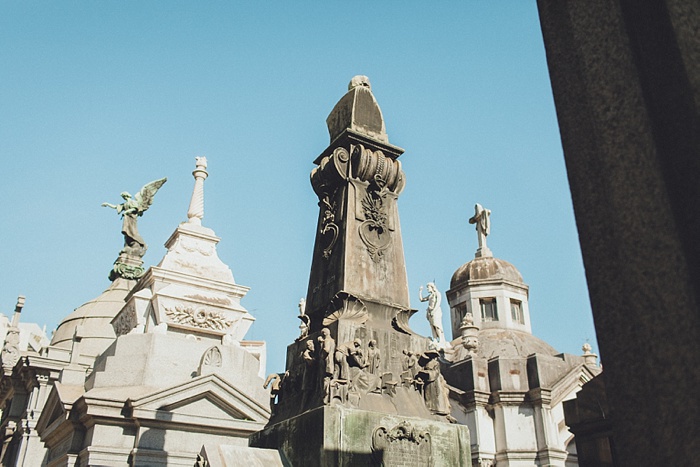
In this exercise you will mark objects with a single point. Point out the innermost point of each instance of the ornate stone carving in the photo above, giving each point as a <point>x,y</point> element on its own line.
<point>125,321</point>
<point>329,229</point>
<point>10,350</point>
<point>212,357</point>
<point>402,445</point>
<point>371,166</point>
<point>373,231</point>
<point>127,271</point>
<point>400,321</point>
<point>198,318</point>
<point>346,307</point>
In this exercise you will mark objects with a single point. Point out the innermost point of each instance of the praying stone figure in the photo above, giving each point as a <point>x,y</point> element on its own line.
<point>482,219</point>
<point>131,209</point>
<point>434,312</point>
<point>434,386</point>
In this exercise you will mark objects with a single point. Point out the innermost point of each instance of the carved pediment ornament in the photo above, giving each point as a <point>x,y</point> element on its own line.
<point>198,317</point>
<point>345,306</point>
<point>126,320</point>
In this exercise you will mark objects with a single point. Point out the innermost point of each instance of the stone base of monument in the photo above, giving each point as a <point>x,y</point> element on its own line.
<point>339,436</point>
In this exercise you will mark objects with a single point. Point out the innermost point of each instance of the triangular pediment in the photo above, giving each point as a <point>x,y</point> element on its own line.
<point>570,382</point>
<point>57,408</point>
<point>202,400</point>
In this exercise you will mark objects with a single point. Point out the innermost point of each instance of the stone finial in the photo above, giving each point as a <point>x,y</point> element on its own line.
<point>482,219</point>
<point>469,332</point>
<point>357,111</point>
<point>195,213</point>
<point>18,310</point>
<point>359,80</point>
<point>589,357</point>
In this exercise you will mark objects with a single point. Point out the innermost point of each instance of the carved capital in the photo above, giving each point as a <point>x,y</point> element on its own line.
<point>376,168</point>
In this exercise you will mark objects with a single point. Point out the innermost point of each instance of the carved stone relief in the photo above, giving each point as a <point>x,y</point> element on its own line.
<point>198,317</point>
<point>345,306</point>
<point>402,445</point>
<point>329,229</point>
<point>211,359</point>
<point>126,320</point>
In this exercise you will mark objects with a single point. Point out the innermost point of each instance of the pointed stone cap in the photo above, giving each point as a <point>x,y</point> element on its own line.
<point>357,110</point>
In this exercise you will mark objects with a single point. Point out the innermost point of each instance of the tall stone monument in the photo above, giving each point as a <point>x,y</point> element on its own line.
<point>361,388</point>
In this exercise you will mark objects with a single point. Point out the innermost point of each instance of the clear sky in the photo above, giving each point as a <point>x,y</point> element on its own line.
<point>101,97</point>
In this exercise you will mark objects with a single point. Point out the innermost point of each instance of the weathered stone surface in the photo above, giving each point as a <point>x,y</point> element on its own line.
<point>336,436</point>
<point>626,82</point>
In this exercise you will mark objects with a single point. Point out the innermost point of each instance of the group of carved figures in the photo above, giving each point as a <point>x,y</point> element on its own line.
<point>346,372</point>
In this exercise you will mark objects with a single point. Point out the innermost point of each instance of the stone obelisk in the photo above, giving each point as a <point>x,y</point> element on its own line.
<point>361,388</point>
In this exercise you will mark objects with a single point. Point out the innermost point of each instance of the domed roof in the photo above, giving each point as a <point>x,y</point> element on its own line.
<point>506,343</point>
<point>485,268</point>
<point>94,319</point>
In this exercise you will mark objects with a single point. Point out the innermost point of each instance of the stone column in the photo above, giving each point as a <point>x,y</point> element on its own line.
<point>626,83</point>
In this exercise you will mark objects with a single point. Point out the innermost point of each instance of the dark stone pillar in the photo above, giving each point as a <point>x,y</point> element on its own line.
<point>626,81</point>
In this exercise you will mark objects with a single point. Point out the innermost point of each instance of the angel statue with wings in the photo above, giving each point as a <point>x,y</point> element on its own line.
<point>131,209</point>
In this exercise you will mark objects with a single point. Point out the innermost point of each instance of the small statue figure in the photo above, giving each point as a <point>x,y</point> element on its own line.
<point>349,350</point>
<point>304,327</point>
<point>308,356</point>
<point>302,307</point>
<point>434,386</point>
<point>373,357</point>
<point>326,357</point>
<point>276,379</point>
<point>131,209</point>
<point>482,219</point>
<point>434,312</point>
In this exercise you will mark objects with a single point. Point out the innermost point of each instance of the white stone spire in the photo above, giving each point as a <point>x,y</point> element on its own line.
<point>196,211</point>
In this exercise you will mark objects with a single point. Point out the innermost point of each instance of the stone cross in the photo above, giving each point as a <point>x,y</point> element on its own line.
<point>482,219</point>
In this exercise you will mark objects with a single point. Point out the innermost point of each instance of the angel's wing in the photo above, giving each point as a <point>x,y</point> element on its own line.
<point>145,197</point>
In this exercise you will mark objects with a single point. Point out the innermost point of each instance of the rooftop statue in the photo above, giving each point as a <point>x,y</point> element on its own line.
<point>434,312</point>
<point>131,209</point>
<point>482,219</point>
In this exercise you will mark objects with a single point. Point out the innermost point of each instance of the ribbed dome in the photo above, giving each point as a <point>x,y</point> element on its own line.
<point>506,343</point>
<point>94,318</point>
<point>484,269</point>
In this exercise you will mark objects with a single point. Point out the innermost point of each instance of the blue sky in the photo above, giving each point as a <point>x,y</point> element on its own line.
<point>101,97</point>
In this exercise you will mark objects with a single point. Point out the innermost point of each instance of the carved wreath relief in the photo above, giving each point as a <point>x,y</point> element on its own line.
<point>198,318</point>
